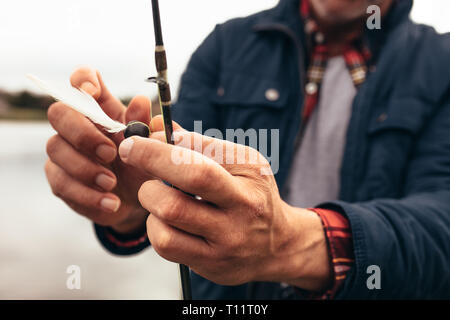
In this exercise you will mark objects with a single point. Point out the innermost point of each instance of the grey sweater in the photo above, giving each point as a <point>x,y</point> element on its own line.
<point>315,173</point>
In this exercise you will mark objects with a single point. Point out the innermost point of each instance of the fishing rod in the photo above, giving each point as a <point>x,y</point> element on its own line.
<point>165,99</point>
<point>165,102</point>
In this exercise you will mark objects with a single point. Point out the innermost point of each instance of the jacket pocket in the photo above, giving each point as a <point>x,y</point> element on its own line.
<point>391,138</point>
<point>399,115</point>
<point>249,91</point>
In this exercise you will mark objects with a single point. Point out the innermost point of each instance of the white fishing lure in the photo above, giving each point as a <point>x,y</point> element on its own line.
<point>80,101</point>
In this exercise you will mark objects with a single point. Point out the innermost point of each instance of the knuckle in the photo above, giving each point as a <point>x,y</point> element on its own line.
<point>250,154</point>
<point>232,244</point>
<point>55,180</point>
<point>84,172</point>
<point>79,138</point>
<point>55,111</point>
<point>58,187</point>
<point>90,200</point>
<point>265,169</point>
<point>256,206</point>
<point>172,210</point>
<point>235,240</point>
<point>262,160</point>
<point>52,145</point>
<point>144,190</point>
<point>244,200</point>
<point>149,226</point>
<point>164,242</point>
<point>257,161</point>
<point>81,74</point>
<point>202,176</point>
<point>47,169</point>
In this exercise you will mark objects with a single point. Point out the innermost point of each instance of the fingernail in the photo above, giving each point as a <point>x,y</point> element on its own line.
<point>105,182</point>
<point>110,204</point>
<point>89,88</point>
<point>125,148</point>
<point>106,152</point>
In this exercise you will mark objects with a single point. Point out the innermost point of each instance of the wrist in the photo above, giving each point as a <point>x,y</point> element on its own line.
<point>304,261</point>
<point>134,224</point>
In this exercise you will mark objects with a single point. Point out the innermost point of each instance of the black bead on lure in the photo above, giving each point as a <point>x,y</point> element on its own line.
<point>136,128</point>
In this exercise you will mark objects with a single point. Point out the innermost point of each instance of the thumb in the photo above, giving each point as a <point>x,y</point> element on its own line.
<point>157,124</point>
<point>90,81</point>
<point>139,109</point>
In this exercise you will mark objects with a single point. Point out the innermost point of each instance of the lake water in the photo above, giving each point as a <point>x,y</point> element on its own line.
<point>40,236</point>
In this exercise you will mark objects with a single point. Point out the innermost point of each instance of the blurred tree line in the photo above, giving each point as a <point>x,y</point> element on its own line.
<point>25,105</point>
<point>27,100</point>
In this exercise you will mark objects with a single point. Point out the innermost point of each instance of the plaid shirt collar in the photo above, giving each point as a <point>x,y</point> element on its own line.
<point>356,56</point>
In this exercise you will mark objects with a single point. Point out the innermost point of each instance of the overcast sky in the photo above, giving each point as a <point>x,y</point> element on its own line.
<point>49,38</point>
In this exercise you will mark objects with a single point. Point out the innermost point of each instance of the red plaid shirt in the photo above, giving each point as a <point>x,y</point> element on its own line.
<point>340,249</point>
<point>355,54</point>
<point>336,226</point>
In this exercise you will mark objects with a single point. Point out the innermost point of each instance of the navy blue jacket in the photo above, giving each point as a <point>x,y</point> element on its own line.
<point>395,187</point>
<point>395,178</point>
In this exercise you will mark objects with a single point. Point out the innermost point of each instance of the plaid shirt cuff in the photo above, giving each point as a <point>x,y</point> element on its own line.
<point>340,248</point>
<point>121,244</point>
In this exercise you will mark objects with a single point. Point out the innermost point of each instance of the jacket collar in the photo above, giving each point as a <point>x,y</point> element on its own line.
<point>286,16</point>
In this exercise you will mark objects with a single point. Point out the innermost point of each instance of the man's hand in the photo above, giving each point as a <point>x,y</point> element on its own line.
<point>237,229</point>
<point>83,168</point>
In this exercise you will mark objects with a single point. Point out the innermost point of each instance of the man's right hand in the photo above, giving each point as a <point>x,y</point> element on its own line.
<point>83,168</point>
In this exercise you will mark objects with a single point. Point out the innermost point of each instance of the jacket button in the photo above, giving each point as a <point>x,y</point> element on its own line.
<point>220,91</point>
<point>311,88</point>
<point>382,117</point>
<point>319,37</point>
<point>272,94</point>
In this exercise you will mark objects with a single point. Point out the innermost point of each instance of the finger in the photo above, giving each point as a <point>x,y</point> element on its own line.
<point>81,133</point>
<point>179,210</point>
<point>232,156</point>
<point>78,166</point>
<point>69,189</point>
<point>85,78</point>
<point>139,109</point>
<point>157,124</point>
<point>103,219</point>
<point>176,245</point>
<point>194,174</point>
<point>91,81</point>
<point>100,218</point>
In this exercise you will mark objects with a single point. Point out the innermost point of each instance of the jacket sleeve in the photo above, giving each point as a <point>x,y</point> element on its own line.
<point>407,238</point>
<point>198,84</point>
<point>120,244</point>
